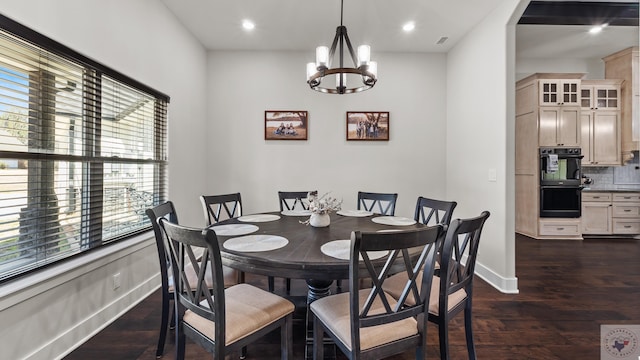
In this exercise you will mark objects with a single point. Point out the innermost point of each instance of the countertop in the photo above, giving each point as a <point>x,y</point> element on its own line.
<point>612,188</point>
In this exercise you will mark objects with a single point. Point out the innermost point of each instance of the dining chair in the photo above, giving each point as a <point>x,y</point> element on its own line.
<point>379,203</point>
<point>432,211</point>
<point>165,210</point>
<point>290,200</point>
<point>221,207</point>
<point>222,321</point>
<point>368,323</point>
<point>452,290</point>
<point>293,200</point>
<point>168,211</point>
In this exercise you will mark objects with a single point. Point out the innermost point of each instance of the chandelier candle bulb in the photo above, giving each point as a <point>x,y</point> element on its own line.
<point>364,55</point>
<point>311,69</point>
<point>322,57</point>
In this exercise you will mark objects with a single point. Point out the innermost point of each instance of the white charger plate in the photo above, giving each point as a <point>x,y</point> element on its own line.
<point>393,220</point>
<point>255,243</point>
<point>296,212</point>
<point>354,213</point>
<point>234,229</point>
<point>341,249</point>
<point>259,218</point>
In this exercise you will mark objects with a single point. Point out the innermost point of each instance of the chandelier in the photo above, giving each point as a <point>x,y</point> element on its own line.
<point>362,76</point>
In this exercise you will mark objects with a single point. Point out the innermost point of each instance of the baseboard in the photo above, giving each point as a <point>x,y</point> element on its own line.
<point>502,284</point>
<point>84,330</point>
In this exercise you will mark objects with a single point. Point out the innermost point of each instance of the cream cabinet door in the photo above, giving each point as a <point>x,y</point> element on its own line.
<point>559,126</point>
<point>605,140</point>
<point>596,218</point>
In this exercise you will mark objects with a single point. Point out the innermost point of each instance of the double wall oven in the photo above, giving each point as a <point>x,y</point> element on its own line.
<point>560,182</point>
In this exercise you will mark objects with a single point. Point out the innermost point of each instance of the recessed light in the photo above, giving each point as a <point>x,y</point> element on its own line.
<point>248,25</point>
<point>598,28</point>
<point>408,27</point>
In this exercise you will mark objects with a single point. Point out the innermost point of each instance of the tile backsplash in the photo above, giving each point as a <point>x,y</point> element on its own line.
<point>615,175</point>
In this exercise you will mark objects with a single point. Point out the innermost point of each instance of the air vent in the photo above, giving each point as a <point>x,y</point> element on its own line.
<point>442,40</point>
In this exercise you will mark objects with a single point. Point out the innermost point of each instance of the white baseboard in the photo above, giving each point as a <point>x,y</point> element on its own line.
<point>504,285</point>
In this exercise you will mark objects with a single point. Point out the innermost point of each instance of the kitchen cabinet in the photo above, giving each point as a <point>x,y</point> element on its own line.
<point>600,122</point>
<point>596,213</point>
<point>624,65</point>
<point>559,126</point>
<point>559,92</point>
<point>606,213</point>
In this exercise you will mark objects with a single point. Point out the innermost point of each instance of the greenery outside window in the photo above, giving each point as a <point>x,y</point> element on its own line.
<point>82,152</point>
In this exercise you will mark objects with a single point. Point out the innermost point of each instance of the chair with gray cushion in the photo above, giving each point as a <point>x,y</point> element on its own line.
<point>223,321</point>
<point>368,323</point>
<point>452,291</point>
<point>378,203</point>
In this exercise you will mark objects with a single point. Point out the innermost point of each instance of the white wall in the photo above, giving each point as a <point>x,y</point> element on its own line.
<point>244,84</point>
<point>142,39</point>
<point>480,87</point>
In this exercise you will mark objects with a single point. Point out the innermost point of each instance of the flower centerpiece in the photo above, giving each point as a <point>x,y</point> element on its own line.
<point>320,208</point>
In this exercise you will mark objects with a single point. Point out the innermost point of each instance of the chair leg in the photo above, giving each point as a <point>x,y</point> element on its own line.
<point>318,339</point>
<point>286,338</point>
<point>338,286</point>
<point>271,283</point>
<point>288,285</point>
<point>243,353</point>
<point>443,334</point>
<point>164,323</point>
<point>468,332</point>
<point>180,343</point>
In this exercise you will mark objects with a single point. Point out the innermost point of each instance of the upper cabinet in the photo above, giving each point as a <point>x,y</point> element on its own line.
<point>624,65</point>
<point>600,94</point>
<point>559,92</point>
<point>600,122</point>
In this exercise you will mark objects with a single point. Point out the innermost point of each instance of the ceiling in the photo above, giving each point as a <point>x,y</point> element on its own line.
<point>304,24</point>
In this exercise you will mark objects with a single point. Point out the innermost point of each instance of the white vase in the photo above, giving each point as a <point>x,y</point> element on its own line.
<point>319,220</point>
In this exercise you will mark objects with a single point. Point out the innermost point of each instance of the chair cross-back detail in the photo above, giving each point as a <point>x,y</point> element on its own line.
<point>379,203</point>
<point>165,210</point>
<point>221,320</point>
<point>221,207</point>
<point>368,323</point>
<point>289,200</point>
<point>432,211</point>
<point>293,200</point>
<point>455,284</point>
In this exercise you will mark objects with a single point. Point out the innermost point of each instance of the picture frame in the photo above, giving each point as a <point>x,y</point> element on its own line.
<point>286,124</point>
<point>367,126</point>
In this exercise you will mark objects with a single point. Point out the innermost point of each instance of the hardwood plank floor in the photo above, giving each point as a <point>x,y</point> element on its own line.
<point>567,290</point>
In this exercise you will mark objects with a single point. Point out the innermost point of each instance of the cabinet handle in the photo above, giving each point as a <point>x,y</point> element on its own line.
<point>627,226</point>
<point>627,210</point>
<point>596,197</point>
<point>560,229</point>
<point>627,197</point>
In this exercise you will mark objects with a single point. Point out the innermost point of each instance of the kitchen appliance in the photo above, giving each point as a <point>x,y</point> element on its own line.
<point>560,182</point>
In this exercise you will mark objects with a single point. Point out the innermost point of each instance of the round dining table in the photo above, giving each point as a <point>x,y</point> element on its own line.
<point>302,256</point>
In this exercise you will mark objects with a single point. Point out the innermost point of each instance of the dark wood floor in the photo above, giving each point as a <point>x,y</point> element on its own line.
<point>567,290</point>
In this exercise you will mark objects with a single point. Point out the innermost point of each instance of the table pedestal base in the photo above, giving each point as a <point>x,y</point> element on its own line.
<point>317,289</point>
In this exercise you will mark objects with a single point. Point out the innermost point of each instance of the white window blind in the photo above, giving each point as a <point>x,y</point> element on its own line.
<point>82,153</point>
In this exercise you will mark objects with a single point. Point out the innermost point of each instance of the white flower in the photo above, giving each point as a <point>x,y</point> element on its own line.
<point>324,204</point>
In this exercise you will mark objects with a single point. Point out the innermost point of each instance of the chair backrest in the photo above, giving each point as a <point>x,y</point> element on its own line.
<point>213,206</point>
<point>168,211</point>
<point>406,251</point>
<point>431,211</point>
<point>379,203</point>
<point>290,200</point>
<point>185,245</point>
<point>463,237</point>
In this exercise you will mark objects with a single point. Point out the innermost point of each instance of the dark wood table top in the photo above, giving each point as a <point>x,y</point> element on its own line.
<point>301,258</point>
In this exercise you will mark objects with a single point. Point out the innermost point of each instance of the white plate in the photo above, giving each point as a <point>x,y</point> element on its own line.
<point>354,213</point>
<point>393,220</point>
<point>341,249</point>
<point>259,218</point>
<point>255,243</point>
<point>296,212</point>
<point>234,229</point>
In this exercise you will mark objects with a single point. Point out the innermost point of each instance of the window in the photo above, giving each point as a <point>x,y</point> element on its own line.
<point>82,152</point>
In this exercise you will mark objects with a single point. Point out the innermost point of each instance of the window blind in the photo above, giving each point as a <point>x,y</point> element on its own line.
<point>82,153</point>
